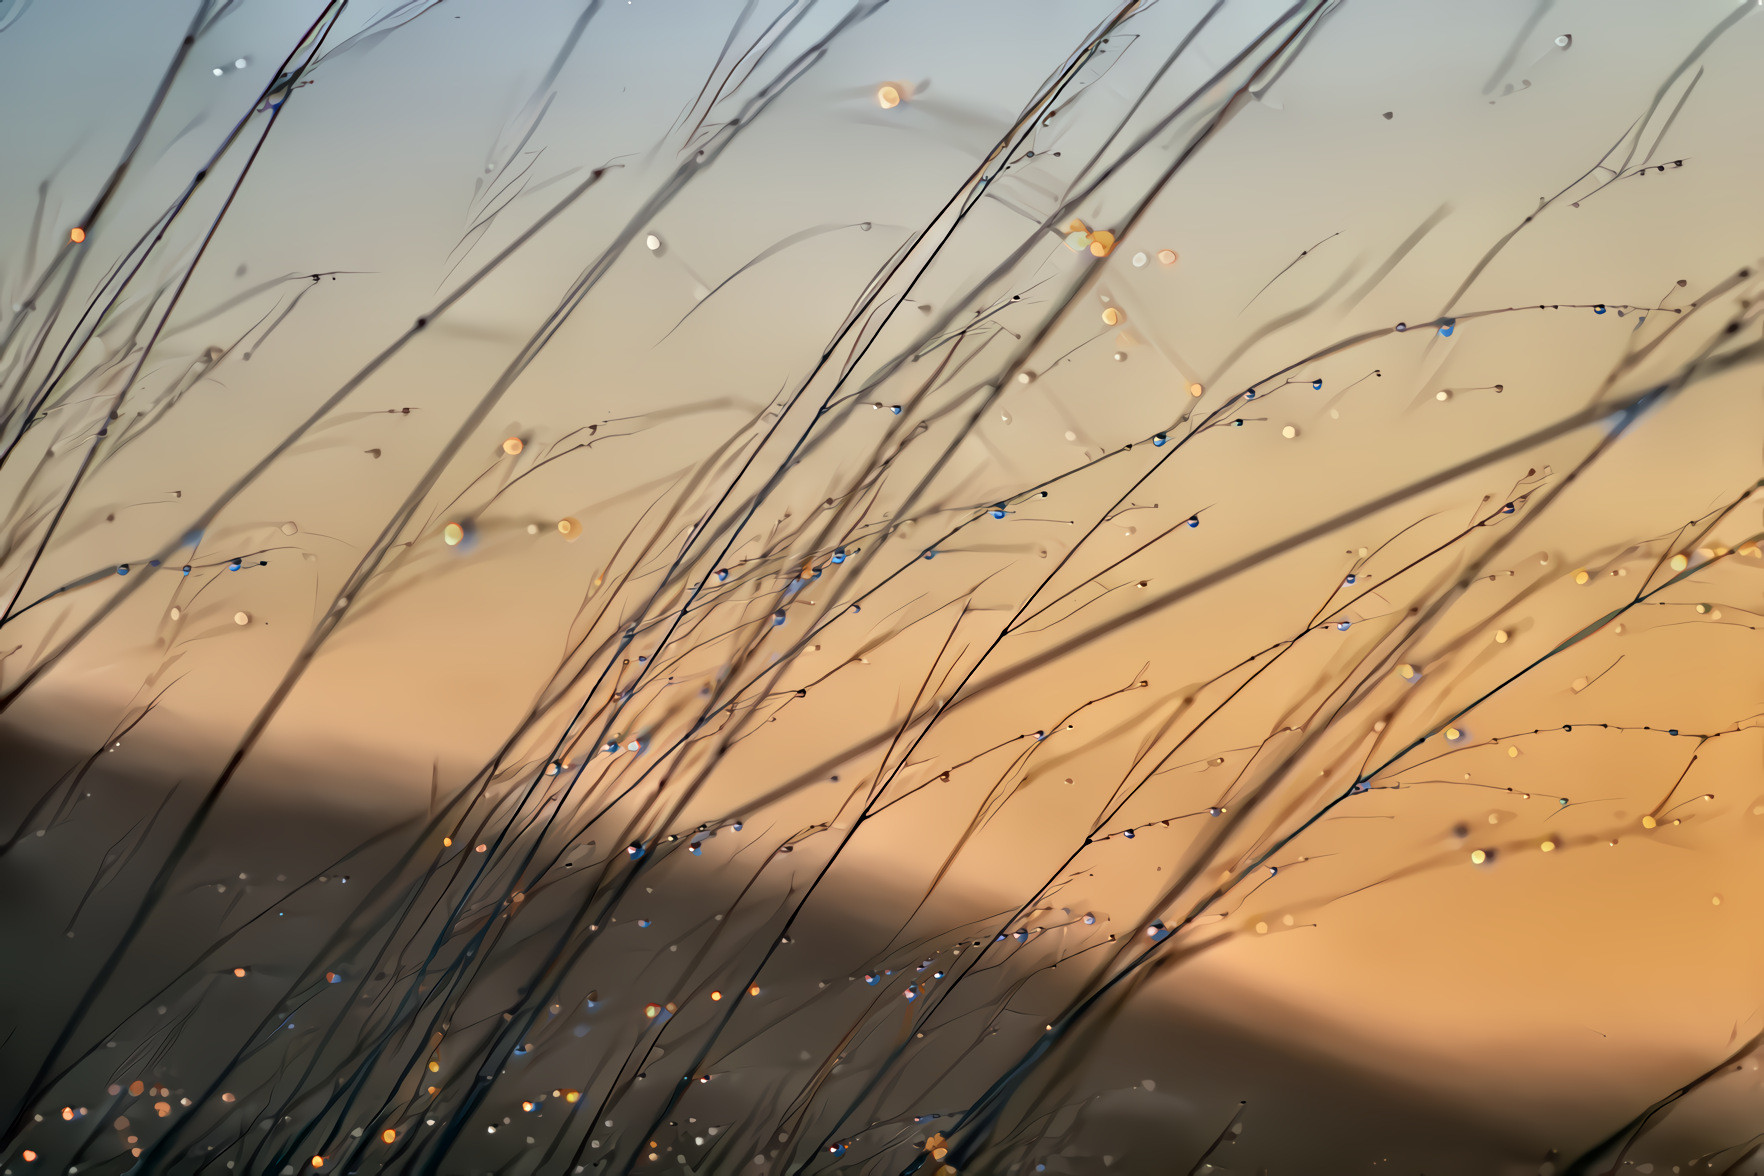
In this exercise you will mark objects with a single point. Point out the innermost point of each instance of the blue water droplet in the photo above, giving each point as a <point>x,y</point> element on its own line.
<point>122,569</point>
<point>778,618</point>
<point>839,556</point>
<point>1599,309</point>
<point>1317,384</point>
<point>1160,439</point>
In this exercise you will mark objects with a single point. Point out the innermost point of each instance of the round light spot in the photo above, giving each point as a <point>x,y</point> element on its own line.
<point>241,618</point>
<point>1111,315</point>
<point>887,96</point>
<point>513,446</point>
<point>1138,260</point>
<point>569,528</point>
<point>452,534</point>
<point>76,235</point>
<point>1166,257</point>
<point>1289,432</point>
